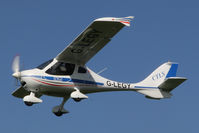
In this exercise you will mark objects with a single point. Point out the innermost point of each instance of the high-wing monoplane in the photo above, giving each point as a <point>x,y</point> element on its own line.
<point>67,76</point>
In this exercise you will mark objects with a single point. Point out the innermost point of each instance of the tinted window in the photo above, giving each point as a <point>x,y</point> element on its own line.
<point>61,68</point>
<point>42,66</point>
<point>82,70</point>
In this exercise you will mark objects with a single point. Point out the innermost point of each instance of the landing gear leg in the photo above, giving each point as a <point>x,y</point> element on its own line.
<point>31,99</point>
<point>59,110</point>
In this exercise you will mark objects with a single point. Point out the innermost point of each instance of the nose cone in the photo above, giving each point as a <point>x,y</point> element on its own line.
<point>16,74</point>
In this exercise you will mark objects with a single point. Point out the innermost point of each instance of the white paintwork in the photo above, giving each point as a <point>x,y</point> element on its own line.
<point>154,93</point>
<point>163,70</point>
<point>37,82</point>
<point>125,20</point>
<point>78,95</point>
<point>32,98</point>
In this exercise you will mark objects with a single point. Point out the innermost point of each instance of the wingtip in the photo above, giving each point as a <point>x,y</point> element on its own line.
<point>130,17</point>
<point>126,20</point>
<point>170,62</point>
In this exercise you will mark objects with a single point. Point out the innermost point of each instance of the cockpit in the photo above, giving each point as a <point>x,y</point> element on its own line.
<point>62,68</point>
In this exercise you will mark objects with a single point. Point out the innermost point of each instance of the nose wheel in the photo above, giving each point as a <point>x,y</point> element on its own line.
<point>59,113</point>
<point>77,99</point>
<point>59,110</point>
<point>28,103</point>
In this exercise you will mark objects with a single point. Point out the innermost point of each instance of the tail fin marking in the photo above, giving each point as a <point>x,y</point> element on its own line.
<point>158,76</point>
<point>160,82</point>
<point>173,70</point>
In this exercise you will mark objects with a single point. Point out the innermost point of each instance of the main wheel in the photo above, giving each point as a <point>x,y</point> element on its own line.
<point>28,103</point>
<point>77,99</point>
<point>59,113</point>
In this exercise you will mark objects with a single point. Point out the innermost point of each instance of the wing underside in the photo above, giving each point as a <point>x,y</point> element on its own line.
<point>92,40</point>
<point>20,92</point>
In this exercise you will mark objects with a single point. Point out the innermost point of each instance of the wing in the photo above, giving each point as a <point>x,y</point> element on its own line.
<point>21,93</point>
<point>91,40</point>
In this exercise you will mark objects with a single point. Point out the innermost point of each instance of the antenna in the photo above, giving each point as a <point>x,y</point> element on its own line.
<point>102,70</point>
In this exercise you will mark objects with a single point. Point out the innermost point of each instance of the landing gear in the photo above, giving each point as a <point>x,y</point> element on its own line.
<point>59,113</point>
<point>59,110</point>
<point>77,96</point>
<point>77,99</point>
<point>28,103</point>
<point>31,99</point>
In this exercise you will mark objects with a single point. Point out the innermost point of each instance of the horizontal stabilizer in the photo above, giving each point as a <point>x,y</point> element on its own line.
<point>154,93</point>
<point>170,83</point>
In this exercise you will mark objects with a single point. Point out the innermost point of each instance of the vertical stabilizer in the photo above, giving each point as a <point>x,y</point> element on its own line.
<point>158,76</point>
<point>160,82</point>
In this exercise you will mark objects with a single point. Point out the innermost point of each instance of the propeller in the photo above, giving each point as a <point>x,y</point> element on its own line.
<point>16,67</point>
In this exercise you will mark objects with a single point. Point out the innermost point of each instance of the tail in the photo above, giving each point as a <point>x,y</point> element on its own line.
<point>160,82</point>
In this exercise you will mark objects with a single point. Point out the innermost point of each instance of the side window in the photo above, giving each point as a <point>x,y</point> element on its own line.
<point>82,70</point>
<point>61,68</point>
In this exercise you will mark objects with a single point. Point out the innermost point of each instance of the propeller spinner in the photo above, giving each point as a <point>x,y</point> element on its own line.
<point>16,67</point>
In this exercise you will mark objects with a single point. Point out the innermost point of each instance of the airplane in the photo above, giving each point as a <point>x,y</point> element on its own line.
<point>67,76</point>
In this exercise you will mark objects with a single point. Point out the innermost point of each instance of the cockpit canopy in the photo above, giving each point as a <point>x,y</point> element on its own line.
<point>43,65</point>
<point>61,68</point>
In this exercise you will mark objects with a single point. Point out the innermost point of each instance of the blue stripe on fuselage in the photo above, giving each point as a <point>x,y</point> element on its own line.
<point>145,87</point>
<point>66,80</point>
<point>85,82</point>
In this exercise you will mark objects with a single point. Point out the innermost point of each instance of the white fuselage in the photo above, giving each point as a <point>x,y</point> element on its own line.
<point>37,80</point>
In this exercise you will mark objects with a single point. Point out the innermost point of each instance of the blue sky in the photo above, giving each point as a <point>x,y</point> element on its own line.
<point>162,30</point>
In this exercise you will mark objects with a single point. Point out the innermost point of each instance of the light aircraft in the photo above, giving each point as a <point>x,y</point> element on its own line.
<point>67,76</point>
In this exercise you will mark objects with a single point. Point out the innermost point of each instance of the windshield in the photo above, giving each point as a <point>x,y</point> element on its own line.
<point>61,68</point>
<point>42,66</point>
